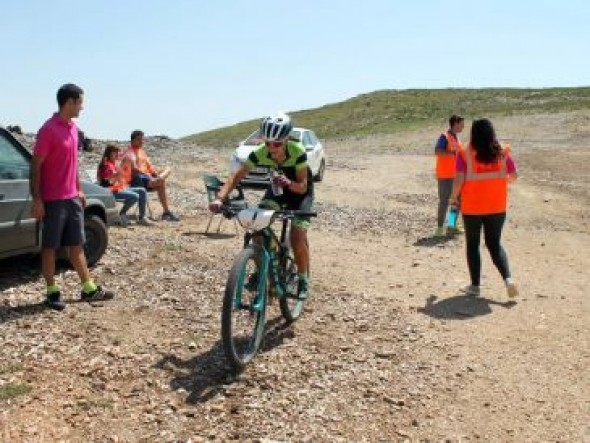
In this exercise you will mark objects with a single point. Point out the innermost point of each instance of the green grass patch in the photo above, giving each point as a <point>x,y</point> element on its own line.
<point>390,111</point>
<point>12,390</point>
<point>10,369</point>
<point>104,404</point>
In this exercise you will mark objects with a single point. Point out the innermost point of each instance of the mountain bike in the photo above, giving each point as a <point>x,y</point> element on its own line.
<point>264,269</point>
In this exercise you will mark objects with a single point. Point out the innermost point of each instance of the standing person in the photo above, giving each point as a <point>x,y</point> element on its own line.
<point>140,172</point>
<point>483,172</point>
<point>109,176</point>
<point>445,150</point>
<point>290,159</point>
<point>58,197</point>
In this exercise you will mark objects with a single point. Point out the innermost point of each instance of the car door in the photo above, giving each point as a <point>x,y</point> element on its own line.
<point>18,230</point>
<point>309,146</point>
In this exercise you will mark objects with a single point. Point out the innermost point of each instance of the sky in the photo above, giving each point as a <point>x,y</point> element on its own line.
<point>178,67</point>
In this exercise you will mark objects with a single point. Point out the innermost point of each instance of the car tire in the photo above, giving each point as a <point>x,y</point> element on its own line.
<point>320,175</point>
<point>97,238</point>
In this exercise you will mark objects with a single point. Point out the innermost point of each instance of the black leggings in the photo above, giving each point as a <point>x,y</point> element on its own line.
<point>492,228</point>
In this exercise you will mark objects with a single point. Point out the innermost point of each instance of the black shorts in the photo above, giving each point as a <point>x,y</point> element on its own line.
<point>63,224</point>
<point>303,203</point>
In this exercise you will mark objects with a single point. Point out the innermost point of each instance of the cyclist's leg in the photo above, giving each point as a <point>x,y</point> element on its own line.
<point>298,236</point>
<point>300,245</point>
<point>271,201</point>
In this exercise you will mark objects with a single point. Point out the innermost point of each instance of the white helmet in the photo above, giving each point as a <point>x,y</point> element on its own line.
<point>276,127</point>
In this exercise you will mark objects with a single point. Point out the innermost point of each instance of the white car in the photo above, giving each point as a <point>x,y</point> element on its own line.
<point>316,157</point>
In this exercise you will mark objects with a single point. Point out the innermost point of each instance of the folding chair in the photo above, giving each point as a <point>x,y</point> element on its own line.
<point>236,201</point>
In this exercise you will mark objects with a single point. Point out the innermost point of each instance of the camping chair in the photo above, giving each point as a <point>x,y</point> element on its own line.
<point>236,201</point>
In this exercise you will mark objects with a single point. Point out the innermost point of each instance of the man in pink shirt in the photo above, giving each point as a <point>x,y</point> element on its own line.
<point>58,198</point>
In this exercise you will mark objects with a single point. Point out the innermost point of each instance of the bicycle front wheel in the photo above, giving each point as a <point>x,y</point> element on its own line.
<point>244,308</point>
<point>291,306</point>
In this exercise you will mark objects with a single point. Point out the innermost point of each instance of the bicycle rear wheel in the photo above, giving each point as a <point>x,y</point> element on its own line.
<point>244,308</point>
<point>291,306</point>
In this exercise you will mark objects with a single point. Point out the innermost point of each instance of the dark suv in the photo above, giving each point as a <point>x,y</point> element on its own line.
<point>19,232</point>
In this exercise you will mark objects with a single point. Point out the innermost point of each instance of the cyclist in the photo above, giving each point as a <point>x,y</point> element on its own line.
<point>289,159</point>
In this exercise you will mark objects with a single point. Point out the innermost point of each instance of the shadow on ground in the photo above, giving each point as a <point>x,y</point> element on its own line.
<point>16,271</point>
<point>461,307</point>
<point>210,235</point>
<point>208,374</point>
<point>431,242</point>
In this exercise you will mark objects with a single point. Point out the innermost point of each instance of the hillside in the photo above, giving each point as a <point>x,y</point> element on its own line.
<point>388,111</point>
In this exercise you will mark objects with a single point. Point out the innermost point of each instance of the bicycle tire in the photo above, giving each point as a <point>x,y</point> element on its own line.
<point>291,306</point>
<point>240,349</point>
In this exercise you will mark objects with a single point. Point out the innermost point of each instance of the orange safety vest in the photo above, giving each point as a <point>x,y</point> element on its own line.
<point>140,159</point>
<point>485,190</point>
<point>126,171</point>
<point>446,164</point>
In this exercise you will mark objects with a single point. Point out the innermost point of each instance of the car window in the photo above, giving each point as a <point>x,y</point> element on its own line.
<point>313,137</point>
<point>14,165</point>
<point>307,141</point>
<point>295,136</point>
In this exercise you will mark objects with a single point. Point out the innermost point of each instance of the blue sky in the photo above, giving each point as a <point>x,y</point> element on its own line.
<point>178,67</point>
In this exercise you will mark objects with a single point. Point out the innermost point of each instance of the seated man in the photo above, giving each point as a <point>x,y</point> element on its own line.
<point>292,189</point>
<point>139,171</point>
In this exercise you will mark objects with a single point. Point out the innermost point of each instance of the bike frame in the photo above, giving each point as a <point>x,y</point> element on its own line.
<point>268,235</point>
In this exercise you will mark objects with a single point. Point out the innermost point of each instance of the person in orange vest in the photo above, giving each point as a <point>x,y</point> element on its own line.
<point>446,150</point>
<point>139,172</point>
<point>484,169</point>
<point>110,176</point>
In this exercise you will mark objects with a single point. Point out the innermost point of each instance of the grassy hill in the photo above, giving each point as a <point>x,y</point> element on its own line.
<point>394,110</point>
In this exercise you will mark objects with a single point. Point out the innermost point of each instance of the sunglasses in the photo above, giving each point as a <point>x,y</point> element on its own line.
<point>275,144</point>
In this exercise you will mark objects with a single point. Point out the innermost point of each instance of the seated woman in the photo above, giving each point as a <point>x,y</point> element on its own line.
<point>109,176</point>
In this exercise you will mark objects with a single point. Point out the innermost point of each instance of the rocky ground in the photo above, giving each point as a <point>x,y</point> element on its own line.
<point>388,349</point>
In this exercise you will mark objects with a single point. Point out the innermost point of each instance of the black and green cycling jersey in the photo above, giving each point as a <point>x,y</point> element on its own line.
<point>295,161</point>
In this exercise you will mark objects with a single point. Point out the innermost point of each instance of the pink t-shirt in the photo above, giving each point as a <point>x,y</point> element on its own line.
<point>57,141</point>
<point>510,165</point>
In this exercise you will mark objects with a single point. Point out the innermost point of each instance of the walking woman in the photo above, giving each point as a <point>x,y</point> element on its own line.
<point>481,185</point>
<point>110,176</point>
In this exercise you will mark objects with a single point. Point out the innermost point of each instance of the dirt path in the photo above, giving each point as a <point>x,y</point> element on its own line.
<point>388,348</point>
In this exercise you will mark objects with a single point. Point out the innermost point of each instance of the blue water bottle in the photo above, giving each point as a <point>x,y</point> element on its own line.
<point>452,217</point>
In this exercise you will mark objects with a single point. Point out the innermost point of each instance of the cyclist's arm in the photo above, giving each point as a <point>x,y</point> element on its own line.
<point>299,185</point>
<point>232,182</point>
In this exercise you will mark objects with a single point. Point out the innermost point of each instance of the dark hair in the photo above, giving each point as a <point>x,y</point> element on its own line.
<point>455,119</point>
<point>66,92</point>
<point>105,156</point>
<point>136,133</point>
<point>483,140</point>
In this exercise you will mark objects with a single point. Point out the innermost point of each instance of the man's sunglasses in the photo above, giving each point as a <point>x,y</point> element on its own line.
<point>275,144</point>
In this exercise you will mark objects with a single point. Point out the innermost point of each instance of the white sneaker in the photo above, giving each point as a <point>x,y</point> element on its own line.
<point>511,290</point>
<point>145,222</point>
<point>471,290</point>
<point>123,220</point>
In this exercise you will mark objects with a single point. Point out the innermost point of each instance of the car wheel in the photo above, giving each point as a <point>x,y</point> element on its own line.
<point>96,239</point>
<point>320,175</point>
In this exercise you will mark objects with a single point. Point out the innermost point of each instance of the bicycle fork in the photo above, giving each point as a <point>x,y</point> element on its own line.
<point>259,301</point>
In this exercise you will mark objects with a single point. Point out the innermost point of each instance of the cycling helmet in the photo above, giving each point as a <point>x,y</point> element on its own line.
<point>276,127</point>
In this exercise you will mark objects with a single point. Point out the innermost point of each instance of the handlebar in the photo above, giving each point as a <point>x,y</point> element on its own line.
<point>229,211</point>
